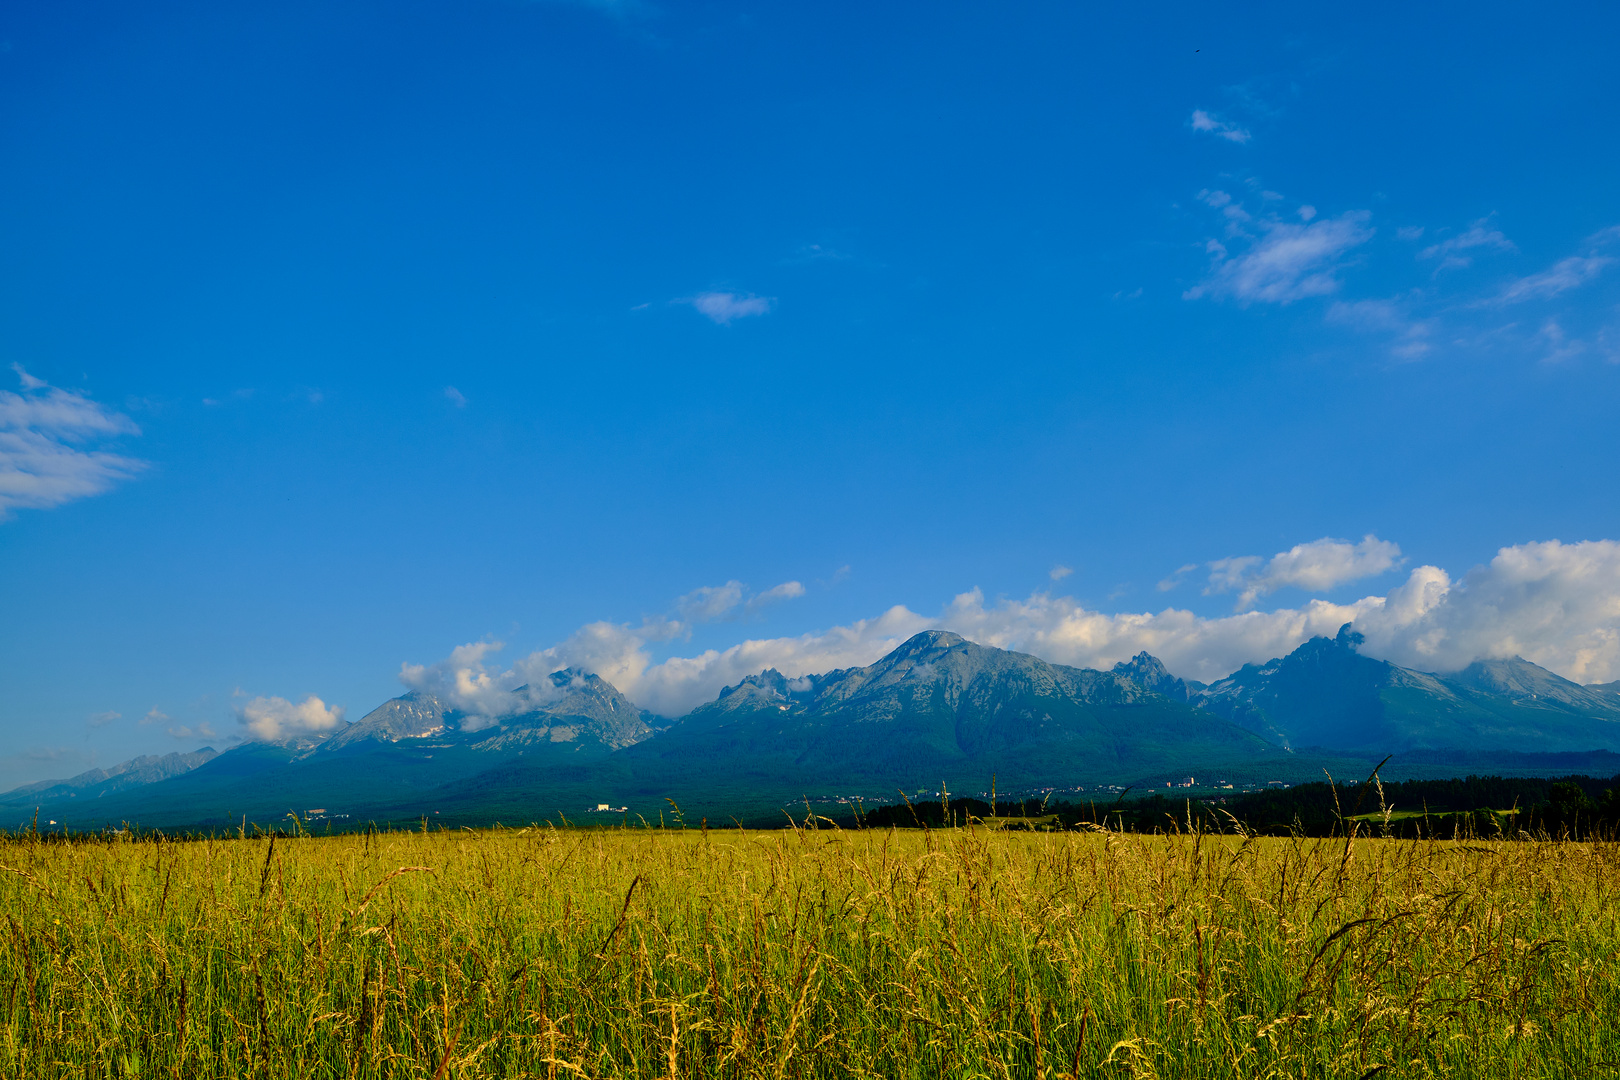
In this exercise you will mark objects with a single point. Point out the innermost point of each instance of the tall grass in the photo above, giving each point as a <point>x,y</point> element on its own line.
<point>671,953</point>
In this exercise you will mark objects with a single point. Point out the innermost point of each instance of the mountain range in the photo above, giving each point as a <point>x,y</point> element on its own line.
<point>937,711</point>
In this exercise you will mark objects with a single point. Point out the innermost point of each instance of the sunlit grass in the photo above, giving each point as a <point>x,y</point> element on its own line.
<point>800,953</point>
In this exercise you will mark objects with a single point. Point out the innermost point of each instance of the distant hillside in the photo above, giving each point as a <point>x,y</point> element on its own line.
<point>96,783</point>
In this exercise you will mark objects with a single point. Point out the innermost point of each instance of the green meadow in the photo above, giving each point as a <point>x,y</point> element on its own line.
<point>656,953</point>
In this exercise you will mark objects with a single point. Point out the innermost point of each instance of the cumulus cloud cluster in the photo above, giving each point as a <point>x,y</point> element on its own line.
<point>469,679</point>
<point>273,718</point>
<point>1553,603</point>
<point>1320,564</point>
<point>49,441</point>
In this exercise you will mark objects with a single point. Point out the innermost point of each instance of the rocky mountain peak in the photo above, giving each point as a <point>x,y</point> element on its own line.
<point>1148,672</point>
<point>1144,667</point>
<point>927,641</point>
<point>1523,682</point>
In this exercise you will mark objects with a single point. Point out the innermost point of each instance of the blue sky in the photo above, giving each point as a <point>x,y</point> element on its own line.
<point>347,334</point>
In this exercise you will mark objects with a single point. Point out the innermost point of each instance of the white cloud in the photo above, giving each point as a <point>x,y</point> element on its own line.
<point>788,590</point>
<point>1058,573</point>
<point>273,718</point>
<point>455,397</point>
<point>710,602</point>
<point>468,679</point>
<point>1559,345</point>
<point>1175,579</point>
<point>1555,604</point>
<point>1478,235</point>
<point>1223,129</point>
<point>1411,335</point>
<point>723,307</point>
<point>45,454</point>
<point>463,681</point>
<point>618,653</point>
<point>1061,630</point>
<point>204,730</point>
<point>154,716</point>
<point>1562,276</point>
<point>102,719</point>
<point>1288,262</point>
<point>677,685</point>
<point>1320,564</point>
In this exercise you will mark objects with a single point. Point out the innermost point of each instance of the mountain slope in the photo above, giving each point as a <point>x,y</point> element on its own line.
<point>580,708</point>
<point>942,706</point>
<point>98,783</point>
<point>1326,694</point>
<point>394,755</point>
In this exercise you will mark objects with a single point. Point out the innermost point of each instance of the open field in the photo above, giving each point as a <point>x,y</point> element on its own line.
<point>673,953</point>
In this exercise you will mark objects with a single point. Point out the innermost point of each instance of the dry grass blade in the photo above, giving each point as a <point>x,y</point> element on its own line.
<point>386,878</point>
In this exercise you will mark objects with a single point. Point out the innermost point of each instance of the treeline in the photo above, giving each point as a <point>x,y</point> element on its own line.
<point>1575,806</point>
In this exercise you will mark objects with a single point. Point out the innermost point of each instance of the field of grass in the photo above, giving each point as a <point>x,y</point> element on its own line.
<point>797,953</point>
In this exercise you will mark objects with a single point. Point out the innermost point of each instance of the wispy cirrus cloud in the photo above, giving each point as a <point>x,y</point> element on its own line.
<point>712,602</point>
<point>726,307</point>
<point>49,446</point>
<point>203,730</point>
<point>1173,581</point>
<point>1481,234</point>
<point>788,590</point>
<point>1221,129</point>
<point>1562,276</point>
<point>1412,336</point>
<point>1281,261</point>
<point>1567,273</point>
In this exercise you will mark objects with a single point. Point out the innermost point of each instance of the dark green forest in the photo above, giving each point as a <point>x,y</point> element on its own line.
<point>1479,806</point>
